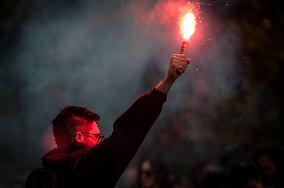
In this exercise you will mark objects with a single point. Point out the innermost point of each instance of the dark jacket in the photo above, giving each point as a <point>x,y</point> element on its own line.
<point>102,165</point>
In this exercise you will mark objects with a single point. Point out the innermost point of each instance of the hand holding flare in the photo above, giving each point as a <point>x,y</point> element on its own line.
<point>179,61</point>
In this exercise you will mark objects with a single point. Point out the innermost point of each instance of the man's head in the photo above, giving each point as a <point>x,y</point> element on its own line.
<point>151,173</point>
<point>269,160</point>
<point>76,124</point>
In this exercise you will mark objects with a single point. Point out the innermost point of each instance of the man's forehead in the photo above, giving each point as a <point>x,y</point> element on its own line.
<point>146,165</point>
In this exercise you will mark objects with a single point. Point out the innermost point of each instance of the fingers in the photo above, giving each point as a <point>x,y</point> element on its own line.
<point>180,61</point>
<point>179,55</point>
<point>180,58</point>
<point>178,65</point>
<point>180,70</point>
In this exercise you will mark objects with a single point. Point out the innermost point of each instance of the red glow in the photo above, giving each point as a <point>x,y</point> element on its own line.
<point>188,25</point>
<point>167,15</point>
<point>48,142</point>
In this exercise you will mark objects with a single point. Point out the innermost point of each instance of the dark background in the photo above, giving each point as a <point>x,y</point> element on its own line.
<point>103,54</point>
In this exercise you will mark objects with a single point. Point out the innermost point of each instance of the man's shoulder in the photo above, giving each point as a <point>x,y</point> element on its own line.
<point>41,177</point>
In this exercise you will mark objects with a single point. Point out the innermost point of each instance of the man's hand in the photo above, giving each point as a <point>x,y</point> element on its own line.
<point>178,65</point>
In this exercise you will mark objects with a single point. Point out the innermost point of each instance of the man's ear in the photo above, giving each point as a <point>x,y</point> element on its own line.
<point>79,137</point>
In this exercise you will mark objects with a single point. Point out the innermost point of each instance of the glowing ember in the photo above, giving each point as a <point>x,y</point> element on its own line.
<point>188,24</point>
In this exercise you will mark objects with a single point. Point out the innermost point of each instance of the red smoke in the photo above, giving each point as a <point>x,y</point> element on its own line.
<point>165,14</point>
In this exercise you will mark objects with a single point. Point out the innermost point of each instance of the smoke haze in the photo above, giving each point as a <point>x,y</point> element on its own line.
<point>103,55</point>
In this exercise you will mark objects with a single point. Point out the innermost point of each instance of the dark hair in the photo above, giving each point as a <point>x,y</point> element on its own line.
<point>65,121</point>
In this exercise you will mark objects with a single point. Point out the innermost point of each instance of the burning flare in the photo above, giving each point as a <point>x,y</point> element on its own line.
<point>188,25</point>
<point>187,28</point>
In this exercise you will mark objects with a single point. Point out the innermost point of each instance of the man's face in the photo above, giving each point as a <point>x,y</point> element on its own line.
<point>147,175</point>
<point>88,133</point>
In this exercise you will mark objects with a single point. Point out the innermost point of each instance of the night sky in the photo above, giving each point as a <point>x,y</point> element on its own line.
<point>104,54</point>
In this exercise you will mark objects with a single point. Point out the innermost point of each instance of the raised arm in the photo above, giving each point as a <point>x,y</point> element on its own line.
<point>131,128</point>
<point>138,119</point>
<point>111,157</point>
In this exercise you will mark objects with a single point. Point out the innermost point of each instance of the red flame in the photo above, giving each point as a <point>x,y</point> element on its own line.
<point>188,25</point>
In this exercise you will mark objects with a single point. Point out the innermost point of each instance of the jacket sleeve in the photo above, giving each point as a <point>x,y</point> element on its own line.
<point>134,124</point>
<point>131,127</point>
<point>112,156</point>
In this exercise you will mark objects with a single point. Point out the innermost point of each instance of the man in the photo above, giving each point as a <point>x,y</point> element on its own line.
<point>152,174</point>
<point>82,158</point>
<point>268,159</point>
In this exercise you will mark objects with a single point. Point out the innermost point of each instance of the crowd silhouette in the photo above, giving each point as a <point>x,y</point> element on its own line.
<point>263,169</point>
